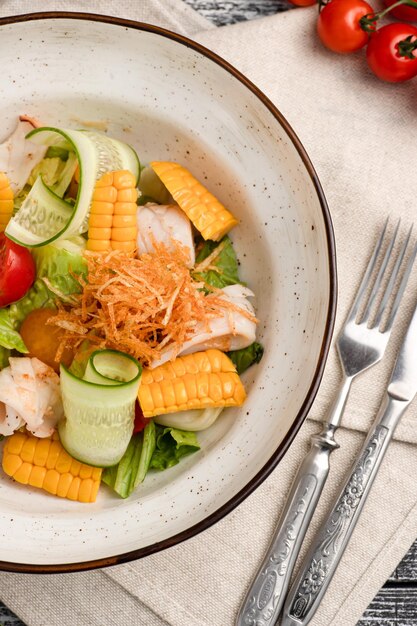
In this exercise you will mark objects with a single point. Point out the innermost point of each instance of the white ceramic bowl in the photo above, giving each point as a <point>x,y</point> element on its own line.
<point>172,99</point>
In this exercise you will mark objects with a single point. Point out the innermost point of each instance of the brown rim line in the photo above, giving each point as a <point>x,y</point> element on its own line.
<point>331,314</point>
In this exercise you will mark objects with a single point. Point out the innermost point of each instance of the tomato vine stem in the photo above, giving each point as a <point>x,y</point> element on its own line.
<point>368,22</point>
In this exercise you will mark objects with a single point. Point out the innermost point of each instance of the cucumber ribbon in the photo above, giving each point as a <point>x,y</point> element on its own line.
<point>44,216</point>
<point>99,408</point>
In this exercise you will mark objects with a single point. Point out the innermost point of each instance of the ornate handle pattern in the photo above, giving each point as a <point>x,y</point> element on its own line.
<point>325,555</point>
<point>265,598</point>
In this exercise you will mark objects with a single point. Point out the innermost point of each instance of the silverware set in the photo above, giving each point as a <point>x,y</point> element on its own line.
<point>361,344</point>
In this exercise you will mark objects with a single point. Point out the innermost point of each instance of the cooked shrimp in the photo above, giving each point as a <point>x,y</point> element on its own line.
<point>232,330</point>
<point>165,224</point>
<point>29,395</point>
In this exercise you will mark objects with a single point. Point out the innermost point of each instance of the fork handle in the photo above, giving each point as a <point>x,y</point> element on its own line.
<point>266,596</point>
<point>324,556</point>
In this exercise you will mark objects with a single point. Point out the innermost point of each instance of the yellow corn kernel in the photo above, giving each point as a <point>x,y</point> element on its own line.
<point>124,246</point>
<point>6,201</point>
<point>42,452</point>
<point>98,245</point>
<point>23,473</point>
<point>75,467</point>
<point>51,469</point>
<point>37,476</point>
<point>127,195</point>
<point>123,179</point>
<point>100,221</point>
<point>74,489</point>
<point>105,181</point>
<point>84,492</point>
<point>123,221</point>
<point>64,484</point>
<point>195,381</point>
<point>53,455</point>
<point>123,234</point>
<point>101,234</point>
<point>63,462</point>
<point>208,215</point>
<point>51,481</point>
<point>105,194</point>
<point>11,463</point>
<point>28,451</point>
<point>101,208</point>
<point>114,200</point>
<point>125,208</point>
<point>15,443</point>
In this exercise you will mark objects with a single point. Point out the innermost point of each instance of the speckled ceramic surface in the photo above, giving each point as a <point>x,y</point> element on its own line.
<point>172,101</point>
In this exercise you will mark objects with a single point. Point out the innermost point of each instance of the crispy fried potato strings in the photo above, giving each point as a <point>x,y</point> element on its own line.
<point>137,305</point>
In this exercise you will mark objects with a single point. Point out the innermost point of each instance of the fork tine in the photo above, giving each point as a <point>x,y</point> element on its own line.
<point>366,277</point>
<point>401,289</point>
<point>380,276</point>
<point>392,280</point>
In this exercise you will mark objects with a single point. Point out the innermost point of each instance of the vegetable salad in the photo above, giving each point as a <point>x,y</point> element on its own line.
<point>124,326</point>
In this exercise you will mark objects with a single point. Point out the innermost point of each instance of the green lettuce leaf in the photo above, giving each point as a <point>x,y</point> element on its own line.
<point>171,446</point>
<point>9,337</point>
<point>226,264</point>
<point>60,262</point>
<point>131,470</point>
<point>4,357</point>
<point>37,297</point>
<point>244,358</point>
<point>56,172</point>
<point>56,266</point>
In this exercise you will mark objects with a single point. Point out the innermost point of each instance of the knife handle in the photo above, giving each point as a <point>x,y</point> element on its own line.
<point>266,596</point>
<point>323,558</point>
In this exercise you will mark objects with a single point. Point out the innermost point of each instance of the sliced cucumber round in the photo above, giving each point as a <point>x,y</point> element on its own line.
<point>96,154</point>
<point>191,419</point>
<point>99,409</point>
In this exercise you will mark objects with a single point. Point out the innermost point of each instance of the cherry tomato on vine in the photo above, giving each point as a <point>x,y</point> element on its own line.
<point>17,271</point>
<point>338,25</point>
<point>303,3</point>
<point>403,12</point>
<point>384,52</point>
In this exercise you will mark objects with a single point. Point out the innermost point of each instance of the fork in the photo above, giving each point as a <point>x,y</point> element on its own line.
<point>361,343</point>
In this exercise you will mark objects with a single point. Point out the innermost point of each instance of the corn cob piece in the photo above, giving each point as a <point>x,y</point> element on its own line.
<point>6,201</point>
<point>44,463</point>
<point>207,214</point>
<point>195,381</point>
<point>112,222</point>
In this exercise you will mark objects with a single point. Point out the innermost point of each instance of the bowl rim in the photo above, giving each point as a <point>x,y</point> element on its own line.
<point>279,453</point>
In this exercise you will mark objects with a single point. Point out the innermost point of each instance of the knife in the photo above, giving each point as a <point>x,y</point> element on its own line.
<point>323,557</point>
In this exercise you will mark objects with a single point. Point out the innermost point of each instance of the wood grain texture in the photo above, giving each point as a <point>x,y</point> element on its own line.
<point>233,11</point>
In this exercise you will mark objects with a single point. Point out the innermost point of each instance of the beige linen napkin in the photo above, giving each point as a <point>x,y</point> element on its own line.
<point>361,137</point>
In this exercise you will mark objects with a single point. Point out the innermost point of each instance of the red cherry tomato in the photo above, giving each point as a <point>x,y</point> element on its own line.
<point>17,271</point>
<point>140,420</point>
<point>303,3</point>
<point>338,25</point>
<point>383,54</point>
<point>403,12</point>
